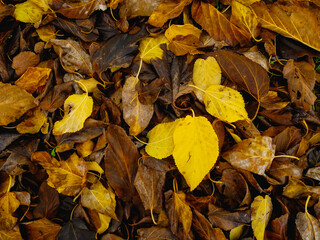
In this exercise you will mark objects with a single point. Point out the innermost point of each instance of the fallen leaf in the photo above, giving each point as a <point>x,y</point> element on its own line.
<point>77,108</point>
<point>236,232</point>
<point>136,115</point>
<point>23,61</point>
<point>154,233</point>
<point>272,101</point>
<point>85,149</point>
<point>195,142</point>
<point>8,205</point>
<point>89,85</point>
<point>253,154</point>
<point>261,209</point>
<point>41,229</point>
<point>208,16</point>
<point>14,102</point>
<point>28,12</point>
<point>32,124</point>
<point>150,47</point>
<point>67,177</point>
<point>121,163</point>
<point>167,10</point>
<point>148,94</point>
<point>10,235</point>
<point>46,32</point>
<point>202,226</point>
<point>296,189</point>
<point>33,79</point>
<point>135,8</point>
<point>76,229</point>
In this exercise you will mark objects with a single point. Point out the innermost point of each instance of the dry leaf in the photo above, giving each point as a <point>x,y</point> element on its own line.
<point>14,102</point>
<point>46,32</point>
<point>85,149</point>
<point>153,233</point>
<point>23,61</point>
<point>8,205</point>
<point>150,48</point>
<point>10,235</point>
<point>41,229</point>
<point>253,154</point>
<point>67,177</point>
<point>33,78</point>
<point>32,124</point>
<point>28,12</point>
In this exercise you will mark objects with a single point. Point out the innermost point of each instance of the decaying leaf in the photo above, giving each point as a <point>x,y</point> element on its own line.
<point>76,229</point>
<point>23,61</point>
<point>33,79</point>
<point>41,229</point>
<point>154,233</point>
<point>8,205</point>
<point>32,124</point>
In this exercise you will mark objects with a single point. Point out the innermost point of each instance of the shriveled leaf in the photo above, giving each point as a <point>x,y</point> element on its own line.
<point>183,38</point>
<point>77,108</point>
<point>14,102</point>
<point>290,19</point>
<point>8,205</point>
<point>33,124</point>
<point>67,177</point>
<point>99,198</point>
<point>121,162</point>
<point>272,101</point>
<point>136,114</point>
<point>33,79</point>
<point>208,16</point>
<point>150,48</point>
<point>41,229</point>
<point>167,10</point>
<point>196,149</point>
<point>252,154</point>
<point>261,209</point>
<point>28,12</point>
<point>225,103</point>
<point>244,72</point>
<point>76,229</point>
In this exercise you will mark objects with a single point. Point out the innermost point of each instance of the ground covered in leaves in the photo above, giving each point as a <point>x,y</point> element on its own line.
<point>159,119</point>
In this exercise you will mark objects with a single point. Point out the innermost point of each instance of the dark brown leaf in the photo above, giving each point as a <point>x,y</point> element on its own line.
<point>23,60</point>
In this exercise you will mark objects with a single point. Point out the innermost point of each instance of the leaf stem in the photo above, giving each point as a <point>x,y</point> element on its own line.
<point>10,182</point>
<point>287,156</point>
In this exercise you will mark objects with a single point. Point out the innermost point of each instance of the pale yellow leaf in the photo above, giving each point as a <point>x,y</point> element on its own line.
<point>32,124</point>
<point>99,198</point>
<point>77,108</point>
<point>196,149</point>
<point>28,12</point>
<point>160,143</point>
<point>150,48</point>
<point>261,209</point>
<point>225,103</point>
<point>136,114</point>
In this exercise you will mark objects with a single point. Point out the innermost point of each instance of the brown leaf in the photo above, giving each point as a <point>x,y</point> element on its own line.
<point>148,94</point>
<point>288,138</point>
<point>208,16</point>
<point>279,228</point>
<point>48,203</point>
<point>155,233</point>
<point>244,72</point>
<point>8,205</point>
<point>253,154</point>
<point>23,61</point>
<point>149,182</point>
<point>228,220</point>
<point>272,101</point>
<point>308,226</point>
<point>42,229</point>
<point>167,10</point>
<point>301,78</point>
<point>16,164</point>
<point>121,163</point>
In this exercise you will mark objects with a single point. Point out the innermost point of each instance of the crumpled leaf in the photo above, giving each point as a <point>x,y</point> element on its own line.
<point>225,103</point>
<point>183,38</point>
<point>150,47</point>
<point>32,124</point>
<point>41,229</point>
<point>167,10</point>
<point>33,79</point>
<point>136,115</point>
<point>252,154</point>
<point>14,102</point>
<point>290,19</point>
<point>8,205</point>
<point>261,209</point>
<point>208,16</point>
<point>99,198</point>
<point>77,108</point>
<point>301,78</point>
<point>76,229</point>
<point>196,149</point>
<point>67,177</point>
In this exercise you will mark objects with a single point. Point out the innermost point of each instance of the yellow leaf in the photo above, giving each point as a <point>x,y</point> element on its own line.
<point>183,210</point>
<point>236,232</point>
<point>94,166</point>
<point>89,85</point>
<point>85,149</point>
<point>8,205</point>
<point>99,198</point>
<point>28,12</point>
<point>73,120</point>
<point>247,2</point>
<point>46,32</point>
<point>183,38</point>
<point>33,124</point>
<point>10,235</point>
<point>44,4</point>
<point>225,103</point>
<point>67,177</point>
<point>104,223</point>
<point>160,143</point>
<point>261,209</point>
<point>136,114</point>
<point>150,48</point>
<point>33,78</point>
<point>196,149</point>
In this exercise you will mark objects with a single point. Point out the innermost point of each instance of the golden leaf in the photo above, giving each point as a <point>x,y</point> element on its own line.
<point>206,72</point>
<point>150,48</point>
<point>261,209</point>
<point>8,205</point>
<point>67,177</point>
<point>14,102</point>
<point>104,222</point>
<point>33,78</point>
<point>136,114</point>
<point>94,166</point>
<point>10,235</point>
<point>183,210</point>
<point>85,149</point>
<point>77,108</point>
<point>28,12</point>
<point>32,124</point>
<point>89,85</point>
<point>46,32</point>
<point>196,149</point>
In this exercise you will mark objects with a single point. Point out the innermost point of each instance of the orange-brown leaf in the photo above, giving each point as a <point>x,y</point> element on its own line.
<point>8,205</point>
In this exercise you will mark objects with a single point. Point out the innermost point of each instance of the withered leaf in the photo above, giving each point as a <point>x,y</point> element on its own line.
<point>16,164</point>
<point>10,235</point>
<point>297,189</point>
<point>42,229</point>
<point>8,205</point>
<point>203,227</point>
<point>76,229</point>
<point>208,16</point>
<point>148,94</point>
<point>244,72</point>
<point>23,60</point>
<point>155,233</point>
<point>121,162</point>
<point>33,78</point>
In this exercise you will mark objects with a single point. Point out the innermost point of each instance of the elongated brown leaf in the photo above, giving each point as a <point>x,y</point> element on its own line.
<point>290,19</point>
<point>217,25</point>
<point>121,162</point>
<point>241,70</point>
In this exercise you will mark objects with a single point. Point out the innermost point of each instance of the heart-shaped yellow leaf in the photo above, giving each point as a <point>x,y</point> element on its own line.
<point>150,48</point>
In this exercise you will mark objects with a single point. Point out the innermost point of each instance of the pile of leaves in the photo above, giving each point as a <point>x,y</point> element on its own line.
<point>159,119</point>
